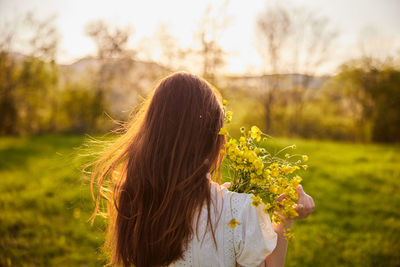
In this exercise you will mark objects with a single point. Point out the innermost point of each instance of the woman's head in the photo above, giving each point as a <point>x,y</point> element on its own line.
<point>158,168</point>
<point>181,125</point>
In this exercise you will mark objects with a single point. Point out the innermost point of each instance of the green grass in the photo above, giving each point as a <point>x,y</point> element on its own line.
<point>45,205</point>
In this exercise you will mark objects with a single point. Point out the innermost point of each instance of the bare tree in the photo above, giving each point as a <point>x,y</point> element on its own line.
<point>312,39</point>
<point>44,38</point>
<point>163,48</point>
<point>273,28</point>
<point>171,55</point>
<point>115,61</point>
<point>291,41</point>
<point>110,42</point>
<point>211,27</point>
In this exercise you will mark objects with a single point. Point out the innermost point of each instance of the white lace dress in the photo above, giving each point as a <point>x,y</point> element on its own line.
<point>247,244</point>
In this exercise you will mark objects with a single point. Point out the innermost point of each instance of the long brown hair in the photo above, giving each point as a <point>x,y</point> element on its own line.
<point>157,172</point>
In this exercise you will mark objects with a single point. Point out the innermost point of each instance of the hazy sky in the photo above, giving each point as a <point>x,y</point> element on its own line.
<point>378,20</point>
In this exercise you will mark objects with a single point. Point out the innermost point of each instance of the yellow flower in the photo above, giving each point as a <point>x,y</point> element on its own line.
<point>287,155</point>
<point>288,234</point>
<point>304,166</point>
<point>304,157</point>
<point>256,201</point>
<point>257,181</point>
<point>258,164</point>
<point>275,172</point>
<point>292,193</point>
<point>297,179</point>
<point>273,189</point>
<point>223,131</point>
<point>289,169</point>
<point>274,166</point>
<point>266,173</point>
<point>233,223</point>
<point>267,206</point>
<point>255,133</point>
<point>224,102</point>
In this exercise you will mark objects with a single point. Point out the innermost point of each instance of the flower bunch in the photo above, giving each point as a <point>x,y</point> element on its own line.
<point>265,175</point>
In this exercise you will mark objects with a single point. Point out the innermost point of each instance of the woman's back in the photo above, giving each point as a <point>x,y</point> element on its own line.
<point>247,244</point>
<point>153,178</point>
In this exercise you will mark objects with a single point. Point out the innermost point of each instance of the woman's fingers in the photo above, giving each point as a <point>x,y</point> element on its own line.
<point>281,197</point>
<point>298,207</point>
<point>300,191</point>
<point>312,202</point>
<point>305,205</point>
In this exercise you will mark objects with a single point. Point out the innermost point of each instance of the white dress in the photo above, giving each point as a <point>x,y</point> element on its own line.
<point>247,244</point>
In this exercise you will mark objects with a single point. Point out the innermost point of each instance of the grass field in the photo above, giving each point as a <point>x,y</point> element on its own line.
<point>45,205</point>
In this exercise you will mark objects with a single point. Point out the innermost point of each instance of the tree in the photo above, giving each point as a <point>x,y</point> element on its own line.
<point>115,61</point>
<point>8,85</point>
<point>272,32</point>
<point>291,41</point>
<point>210,29</point>
<point>371,97</point>
<point>38,79</point>
<point>28,81</point>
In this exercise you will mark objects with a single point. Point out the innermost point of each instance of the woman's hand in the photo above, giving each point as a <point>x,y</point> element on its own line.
<point>304,207</point>
<point>305,204</point>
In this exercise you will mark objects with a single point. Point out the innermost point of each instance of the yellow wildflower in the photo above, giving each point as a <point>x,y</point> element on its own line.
<point>273,189</point>
<point>233,223</point>
<point>258,164</point>
<point>223,131</point>
<point>275,172</point>
<point>297,179</point>
<point>287,169</point>
<point>266,173</point>
<point>304,157</point>
<point>255,133</point>
<point>267,206</point>
<point>256,201</point>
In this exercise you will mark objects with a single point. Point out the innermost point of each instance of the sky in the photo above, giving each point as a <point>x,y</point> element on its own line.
<point>377,21</point>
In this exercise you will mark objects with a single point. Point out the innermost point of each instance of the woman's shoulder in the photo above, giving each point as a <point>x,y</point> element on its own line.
<point>232,199</point>
<point>252,231</point>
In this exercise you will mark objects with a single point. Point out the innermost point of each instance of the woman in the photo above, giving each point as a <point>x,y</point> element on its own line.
<point>164,209</point>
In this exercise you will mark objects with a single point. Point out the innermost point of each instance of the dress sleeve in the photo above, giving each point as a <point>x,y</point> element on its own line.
<point>255,236</point>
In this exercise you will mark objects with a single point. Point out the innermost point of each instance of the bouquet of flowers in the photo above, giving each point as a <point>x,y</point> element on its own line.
<point>270,177</point>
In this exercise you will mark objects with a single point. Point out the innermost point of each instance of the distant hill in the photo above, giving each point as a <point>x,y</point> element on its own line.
<point>87,63</point>
<point>133,79</point>
<point>286,81</point>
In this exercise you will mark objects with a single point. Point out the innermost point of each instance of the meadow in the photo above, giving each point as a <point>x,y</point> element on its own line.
<point>45,204</point>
